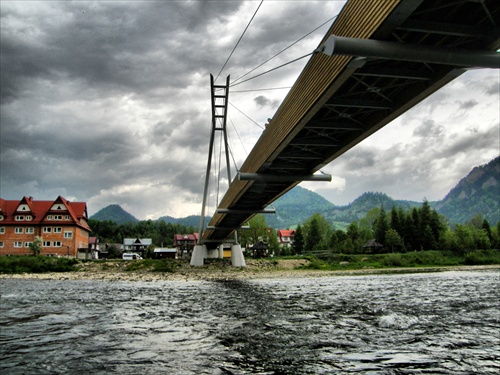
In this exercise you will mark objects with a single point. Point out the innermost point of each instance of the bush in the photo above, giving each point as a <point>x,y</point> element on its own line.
<point>316,264</point>
<point>394,260</point>
<point>165,265</point>
<point>36,264</point>
<point>482,257</point>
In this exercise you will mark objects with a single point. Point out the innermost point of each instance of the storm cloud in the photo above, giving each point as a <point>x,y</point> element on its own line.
<point>109,102</point>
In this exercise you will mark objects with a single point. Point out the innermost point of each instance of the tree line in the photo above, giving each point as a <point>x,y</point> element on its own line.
<point>399,230</point>
<point>420,228</point>
<point>161,233</point>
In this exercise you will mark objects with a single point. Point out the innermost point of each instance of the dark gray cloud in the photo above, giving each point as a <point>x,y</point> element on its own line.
<point>429,128</point>
<point>263,101</point>
<point>109,102</point>
<point>468,104</point>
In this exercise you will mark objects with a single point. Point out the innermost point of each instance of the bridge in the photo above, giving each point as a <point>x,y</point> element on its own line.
<point>377,60</point>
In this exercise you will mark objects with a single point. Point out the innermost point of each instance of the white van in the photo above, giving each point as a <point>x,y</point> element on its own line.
<point>131,256</point>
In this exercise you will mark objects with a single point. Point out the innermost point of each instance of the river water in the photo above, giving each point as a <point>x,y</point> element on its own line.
<point>434,323</point>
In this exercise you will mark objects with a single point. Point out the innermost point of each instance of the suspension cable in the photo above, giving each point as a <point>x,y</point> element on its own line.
<point>236,131</point>
<point>246,116</point>
<point>271,70</point>
<point>269,89</point>
<point>283,50</point>
<point>232,157</point>
<point>238,42</point>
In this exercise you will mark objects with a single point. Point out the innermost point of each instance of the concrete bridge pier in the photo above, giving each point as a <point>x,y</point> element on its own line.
<point>221,251</point>
<point>237,258</point>
<point>199,254</point>
<point>213,253</point>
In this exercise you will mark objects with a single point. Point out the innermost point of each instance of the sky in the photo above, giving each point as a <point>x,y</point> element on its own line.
<point>108,102</point>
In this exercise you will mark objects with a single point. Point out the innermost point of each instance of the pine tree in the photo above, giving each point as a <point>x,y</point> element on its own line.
<point>487,228</point>
<point>395,220</point>
<point>313,235</point>
<point>381,226</point>
<point>298,241</point>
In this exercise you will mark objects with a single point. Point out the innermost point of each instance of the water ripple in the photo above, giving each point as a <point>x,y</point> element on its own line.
<point>439,323</point>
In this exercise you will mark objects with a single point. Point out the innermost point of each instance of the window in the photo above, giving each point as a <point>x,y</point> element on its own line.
<point>66,217</point>
<point>18,244</point>
<point>19,230</point>
<point>19,217</point>
<point>68,234</point>
<point>1,217</point>
<point>30,230</point>
<point>47,229</point>
<point>49,217</point>
<point>1,243</point>
<point>57,230</point>
<point>28,244</point>
<point>57,243</point>
<point>29,217</point>
<point>57,217</point>
<point>2,230</point>
<point>46,243</point>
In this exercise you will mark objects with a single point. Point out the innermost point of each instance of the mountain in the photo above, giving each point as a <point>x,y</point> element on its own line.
<point>296,206</point>
<point>114,213</point>
<point>360,206</point>
<point>478,192</point>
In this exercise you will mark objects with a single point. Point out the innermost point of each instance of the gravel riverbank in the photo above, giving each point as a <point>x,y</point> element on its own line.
<point>255,269</point>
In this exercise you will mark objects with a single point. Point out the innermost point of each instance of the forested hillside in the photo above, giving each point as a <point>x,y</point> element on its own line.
<point>478,192</point>
<point>188,221</point>
<point>297,206</point>
<point>360,206</point>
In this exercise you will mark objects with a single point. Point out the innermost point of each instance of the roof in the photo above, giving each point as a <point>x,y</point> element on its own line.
<point>286,232</point>
<point>259,246</point>
<point>164,250</point>
<point>186,237</point>
<point>137,241</point>
<point>39,211</point>
<point>373,243</point>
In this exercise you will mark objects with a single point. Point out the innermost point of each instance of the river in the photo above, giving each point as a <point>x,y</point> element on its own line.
<point>432,323</point>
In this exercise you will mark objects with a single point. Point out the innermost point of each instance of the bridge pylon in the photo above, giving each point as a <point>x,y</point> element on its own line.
<point>220,100</point>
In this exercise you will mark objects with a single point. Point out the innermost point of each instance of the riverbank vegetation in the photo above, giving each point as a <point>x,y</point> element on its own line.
<point>36,264</point>
<point>318,261</point>
<point>430,258</point>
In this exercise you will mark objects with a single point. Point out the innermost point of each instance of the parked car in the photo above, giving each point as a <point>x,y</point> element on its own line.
<point>131,256</point>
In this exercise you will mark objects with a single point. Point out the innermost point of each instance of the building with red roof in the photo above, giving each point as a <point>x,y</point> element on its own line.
<point>184,243</point>
<point>285,237</point>
<point>61,224</point>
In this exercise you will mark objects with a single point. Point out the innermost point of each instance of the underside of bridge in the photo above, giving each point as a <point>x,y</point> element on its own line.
<point>338,101</point>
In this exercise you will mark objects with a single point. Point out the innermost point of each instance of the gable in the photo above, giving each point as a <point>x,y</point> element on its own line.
<point>23,208</point>
<point>58,207</point>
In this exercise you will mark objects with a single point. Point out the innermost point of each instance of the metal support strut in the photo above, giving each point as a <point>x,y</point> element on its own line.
<point>336,45</point>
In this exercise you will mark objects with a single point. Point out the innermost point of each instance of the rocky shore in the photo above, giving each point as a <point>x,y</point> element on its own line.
<point>255,269</point>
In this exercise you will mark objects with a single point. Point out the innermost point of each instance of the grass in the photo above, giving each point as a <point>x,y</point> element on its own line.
<point>431,258</point>
<point>36,264</point>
